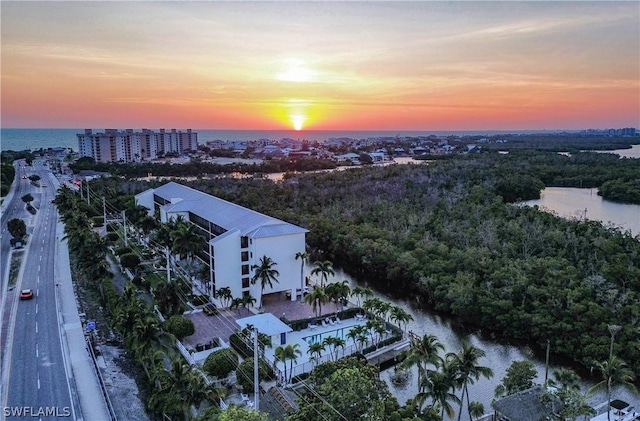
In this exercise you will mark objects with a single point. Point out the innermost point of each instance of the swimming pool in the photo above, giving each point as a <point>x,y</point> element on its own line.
<point>319,337</point>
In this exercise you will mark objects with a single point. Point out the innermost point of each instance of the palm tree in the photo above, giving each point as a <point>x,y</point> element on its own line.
<point>357,334</point>
<point>185,381</point>
<point>423,351</point>
<point>293,352</point>
<point>147,224</point>
<point>146,330</point>
<point>374,328</point>
<point>127,312</point>
<point>324,269</point>
<point>235,303</point>
<point>167,296</point>
<point>247,301</point>
<point>302,255</point>
<point>400,316</point>
<point>376,306</point>
<point>466,363</point>
<point>566,379</point>
<point>383,310</point>
<point>342,291</point>
<point>476,409</point>
<point>266,274</point>
<point>280,355</point>
<point>334,342</point>
<point>338,292</point>
<point>224,295</point>
<point>361,292</point>
<point>185,239</point>
<point>316,298</point>
<point>439,386</point>
<point>290,353</point>
<point>614,372</point>
<point>195,389</point>
<point>315,350</point>
<point>370,304</point>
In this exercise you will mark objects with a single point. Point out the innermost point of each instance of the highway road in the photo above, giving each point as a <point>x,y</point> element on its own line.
<point>38,385</point>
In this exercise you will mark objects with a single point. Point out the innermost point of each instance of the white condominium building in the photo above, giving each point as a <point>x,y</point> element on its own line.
<point>237,238</point>
<point>129,146</point>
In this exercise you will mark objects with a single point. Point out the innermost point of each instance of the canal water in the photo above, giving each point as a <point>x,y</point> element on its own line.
<point>499,355</point>
<point>566,202</point>
<point>575,203</point>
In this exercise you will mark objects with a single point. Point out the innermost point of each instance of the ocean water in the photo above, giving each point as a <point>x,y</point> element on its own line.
<point>31,139</point>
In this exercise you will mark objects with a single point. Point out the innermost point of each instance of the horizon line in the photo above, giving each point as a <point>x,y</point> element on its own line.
<point>328,130</point>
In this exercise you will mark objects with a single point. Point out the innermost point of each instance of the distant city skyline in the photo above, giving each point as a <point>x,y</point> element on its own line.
<point>321,65</point>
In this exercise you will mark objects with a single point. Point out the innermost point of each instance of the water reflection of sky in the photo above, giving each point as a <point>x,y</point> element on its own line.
<point>570,202</point>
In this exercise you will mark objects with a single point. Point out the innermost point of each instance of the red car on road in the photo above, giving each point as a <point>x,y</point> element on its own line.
<point>26,294</point>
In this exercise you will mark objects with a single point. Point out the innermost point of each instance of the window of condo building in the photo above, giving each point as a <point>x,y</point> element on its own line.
<point>245,269</point>
<point>245,282</point>
<point>244,242</point>
<point>244,256</point>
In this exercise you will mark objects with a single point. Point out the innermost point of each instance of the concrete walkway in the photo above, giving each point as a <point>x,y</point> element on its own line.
<point>84,375</point>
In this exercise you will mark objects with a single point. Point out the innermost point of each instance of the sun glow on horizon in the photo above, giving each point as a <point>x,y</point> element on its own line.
<point>298,121</point>
<point>322,65</point>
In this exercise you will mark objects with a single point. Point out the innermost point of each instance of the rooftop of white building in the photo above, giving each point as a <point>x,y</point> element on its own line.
<point>223,213</point>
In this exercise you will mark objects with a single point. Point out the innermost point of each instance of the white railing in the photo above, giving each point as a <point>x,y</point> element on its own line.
<point>185,353</point>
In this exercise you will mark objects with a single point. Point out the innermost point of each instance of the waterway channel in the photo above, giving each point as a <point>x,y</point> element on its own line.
<point>566,202</point>
<point>499,355</point>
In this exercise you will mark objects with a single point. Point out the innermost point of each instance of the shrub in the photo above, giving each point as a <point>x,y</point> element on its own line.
<point>98,221</point>
<point>238,344</point>
<point>179,326</point>
<point>245,374</point>
<point>122,250</point>
<point>221,363</point>
<point>112,237</point>
<point>198,300</point>
<point>129,260</point>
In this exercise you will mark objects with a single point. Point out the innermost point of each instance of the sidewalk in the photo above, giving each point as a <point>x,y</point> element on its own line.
<point>84,376</point>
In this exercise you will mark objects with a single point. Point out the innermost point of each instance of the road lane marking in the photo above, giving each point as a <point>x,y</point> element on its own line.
<point>36,308</point>
<point>37,351</point>
<point>36,332</point>
<point>38,381</point>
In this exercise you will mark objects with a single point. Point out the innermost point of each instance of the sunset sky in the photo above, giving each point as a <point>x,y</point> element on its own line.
<point>384,65</point>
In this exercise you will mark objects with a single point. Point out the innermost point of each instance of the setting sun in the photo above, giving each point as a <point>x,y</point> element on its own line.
<point>322,65</point>
<point>298,121</point>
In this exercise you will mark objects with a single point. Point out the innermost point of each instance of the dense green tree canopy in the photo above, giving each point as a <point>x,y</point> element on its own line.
<point>347,389</point>
<point>7,175</point>
<point>519,377</point>
<point>17,228</point>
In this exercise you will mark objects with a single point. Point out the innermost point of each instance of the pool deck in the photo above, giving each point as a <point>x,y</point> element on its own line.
<point>307,335</point>
<point>224,323</point>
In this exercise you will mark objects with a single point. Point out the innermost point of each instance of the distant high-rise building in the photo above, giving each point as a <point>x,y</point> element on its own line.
<point>128,146</point>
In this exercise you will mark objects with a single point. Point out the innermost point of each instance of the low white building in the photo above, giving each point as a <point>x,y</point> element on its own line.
<point>237,238</point>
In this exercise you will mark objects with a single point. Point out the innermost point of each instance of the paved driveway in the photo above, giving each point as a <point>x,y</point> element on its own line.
<point>207,327</point>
